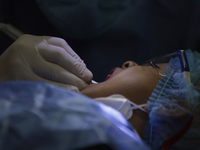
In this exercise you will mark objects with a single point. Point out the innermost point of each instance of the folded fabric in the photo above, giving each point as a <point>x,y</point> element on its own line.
<point>41,116</point>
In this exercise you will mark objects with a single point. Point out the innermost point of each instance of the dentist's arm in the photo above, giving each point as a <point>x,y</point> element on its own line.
<point>46,59</point>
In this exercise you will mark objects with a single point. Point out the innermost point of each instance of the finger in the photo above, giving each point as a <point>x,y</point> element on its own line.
<point>62,85</point>
<point>27,74</point>
<point>56,73</point>
<point>63,44</point>
<point>60,57</point>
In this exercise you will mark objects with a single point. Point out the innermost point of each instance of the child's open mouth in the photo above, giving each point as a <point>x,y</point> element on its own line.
<point>111,72</point>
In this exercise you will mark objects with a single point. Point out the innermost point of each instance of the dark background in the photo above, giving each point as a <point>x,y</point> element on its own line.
<point>144,29</point>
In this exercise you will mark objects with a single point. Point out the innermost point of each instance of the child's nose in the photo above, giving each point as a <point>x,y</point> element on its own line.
<point>128,64</point>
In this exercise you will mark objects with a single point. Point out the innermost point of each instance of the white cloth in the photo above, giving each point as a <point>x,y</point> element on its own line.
<point>121,104</point>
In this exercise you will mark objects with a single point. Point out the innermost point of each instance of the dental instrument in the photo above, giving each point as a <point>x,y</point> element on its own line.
<point>11,31</point>
<point>94,82</point>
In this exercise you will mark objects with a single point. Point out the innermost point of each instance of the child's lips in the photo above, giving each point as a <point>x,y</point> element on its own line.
<point>111,72</point>
<point>108,76</point>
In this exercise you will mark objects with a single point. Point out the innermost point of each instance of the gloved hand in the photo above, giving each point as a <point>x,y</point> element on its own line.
<point>46,59</point>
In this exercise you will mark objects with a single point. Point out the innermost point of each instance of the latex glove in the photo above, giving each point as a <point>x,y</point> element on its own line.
<point>46,59</point>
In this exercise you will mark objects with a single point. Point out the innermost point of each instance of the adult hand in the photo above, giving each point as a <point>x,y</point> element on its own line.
<point>46,59</point>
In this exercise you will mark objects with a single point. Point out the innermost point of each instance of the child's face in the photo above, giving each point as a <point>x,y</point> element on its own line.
<point>132,81</point>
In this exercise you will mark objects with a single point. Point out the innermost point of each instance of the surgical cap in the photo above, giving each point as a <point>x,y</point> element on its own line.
<point>172,103</point>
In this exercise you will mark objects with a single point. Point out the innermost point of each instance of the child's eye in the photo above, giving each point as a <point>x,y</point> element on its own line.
<point>151,66</point>
<point>156,66</point>
<point>147,65</point>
